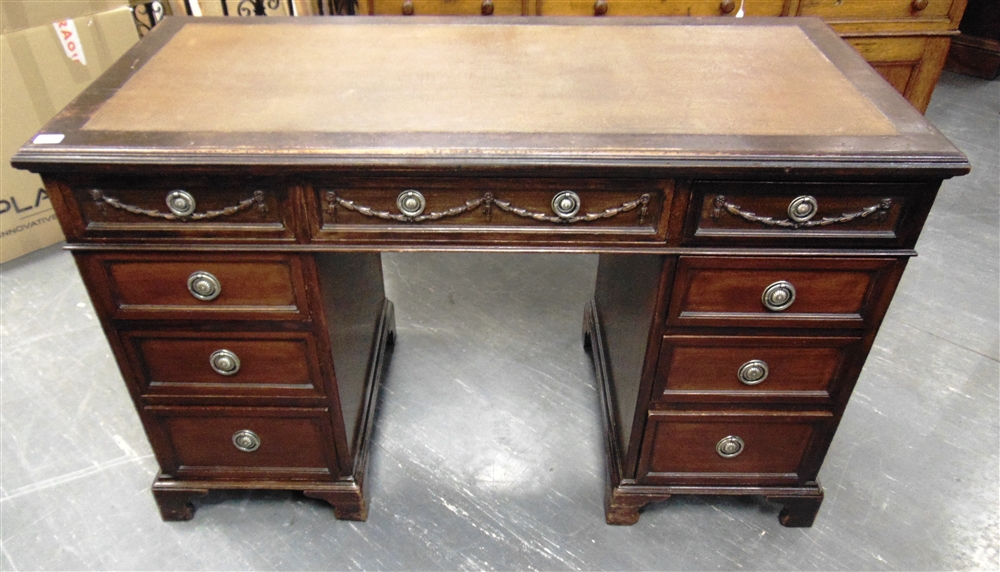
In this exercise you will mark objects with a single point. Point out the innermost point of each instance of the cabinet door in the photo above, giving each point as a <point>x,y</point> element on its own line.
<point>911,64</point>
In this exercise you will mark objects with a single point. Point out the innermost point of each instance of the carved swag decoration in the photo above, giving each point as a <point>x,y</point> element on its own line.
<point>487,202</point>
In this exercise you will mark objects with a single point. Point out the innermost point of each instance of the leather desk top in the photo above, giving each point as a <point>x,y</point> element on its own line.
<point>624,92</point>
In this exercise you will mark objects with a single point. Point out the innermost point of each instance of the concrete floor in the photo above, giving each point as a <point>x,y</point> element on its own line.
<point>487,453</point>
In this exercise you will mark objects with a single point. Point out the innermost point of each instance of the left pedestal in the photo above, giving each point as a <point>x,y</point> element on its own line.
<point>249,370</point>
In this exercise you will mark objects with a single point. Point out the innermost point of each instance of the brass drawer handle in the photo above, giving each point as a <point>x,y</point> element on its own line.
<point>407,7</point>
<point>727,6</point>
<point>411,203</point>
<point>204,286</point>
<point>753,372</point>
<point>224,362</point>
<point>181,205</point>
<point>729,447</point>
<point>566,204</point>
<point>919,5</point>
<point>778,296</point>
<point>487,8</point>
<point>246,441</point>
<point>600,7</point>
<point>803,208</point>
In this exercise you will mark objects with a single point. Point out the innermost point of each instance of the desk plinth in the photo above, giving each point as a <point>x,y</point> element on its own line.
<point>753,188</point>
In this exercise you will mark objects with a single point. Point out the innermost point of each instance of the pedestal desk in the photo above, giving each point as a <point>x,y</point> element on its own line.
<point>753,188</point>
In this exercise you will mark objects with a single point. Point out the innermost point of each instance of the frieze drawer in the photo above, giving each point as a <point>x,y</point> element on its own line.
<point>227,442</point>
<point>214,286</point>
<point>880,10</point>
<point>189,209</point>
<point>224,364</point>
<point>658,8</point>
<point>579,210</point>
<point>755,368</point>
<point>715,447</point>
<point>443,8</point>
<point>782,292</point>
<point>738,213</point>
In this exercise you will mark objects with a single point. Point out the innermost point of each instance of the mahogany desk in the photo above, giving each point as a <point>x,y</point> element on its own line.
<point>753,187</point>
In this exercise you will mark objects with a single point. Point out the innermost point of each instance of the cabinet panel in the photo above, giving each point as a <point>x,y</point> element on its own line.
<point>778,292</point>
<point>764,448</point>
<point>243,442</point>
<point>748,369</point>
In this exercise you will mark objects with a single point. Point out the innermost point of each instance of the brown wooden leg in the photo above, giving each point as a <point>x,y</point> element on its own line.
<point>798,512</point>
<point>175,502</point>
<point>624,511</point>
<point>344,508</point>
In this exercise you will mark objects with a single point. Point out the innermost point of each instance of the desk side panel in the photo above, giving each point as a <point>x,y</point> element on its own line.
<point>353,296</point>
<point>626,294</point>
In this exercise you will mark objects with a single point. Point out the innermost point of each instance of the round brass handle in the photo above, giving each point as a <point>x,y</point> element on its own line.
<point>204,286</point>
<point>411,202</point>
<point>729,447</point>
<point>600,7</point>
<point>727,6</point>
<point>753,372</point>
<point>407,7</point>
<point>919,5</point>
<point>803,208</point>
<point>224,362</point>
<point>566,204</point>
<point>246,441</point>
<point>487,7</point>
<point>181,203</point>
<point>778,296</point>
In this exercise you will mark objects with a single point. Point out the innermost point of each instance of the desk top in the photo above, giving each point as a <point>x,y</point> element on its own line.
<point>498,92</point>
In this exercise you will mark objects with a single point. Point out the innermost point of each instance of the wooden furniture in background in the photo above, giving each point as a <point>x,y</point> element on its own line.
<point>976,51</point>
<point>227,209</point>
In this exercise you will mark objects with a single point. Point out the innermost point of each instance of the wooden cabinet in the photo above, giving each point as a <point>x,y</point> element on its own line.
<point>906,41</point>
<point>745,267</point>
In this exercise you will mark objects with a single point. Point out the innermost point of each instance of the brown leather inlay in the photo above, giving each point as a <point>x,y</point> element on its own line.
<point>468,78</point>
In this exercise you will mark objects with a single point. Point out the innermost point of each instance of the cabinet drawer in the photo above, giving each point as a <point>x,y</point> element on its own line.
<point>193,210</point>
<point>242,364</point>
<point>799,292</point>
<point>747,368</point>
<point>197,286</point>
<point>876,9</point>
<point>445,7</point>
<point>885,215</point>
<point>747,448</point>
<point>429,210</point>
<point>225,442</point>
<point>658,8</point>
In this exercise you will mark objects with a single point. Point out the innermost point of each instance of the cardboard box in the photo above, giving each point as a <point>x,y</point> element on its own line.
<point>41,71</point>
<point>23,14</point>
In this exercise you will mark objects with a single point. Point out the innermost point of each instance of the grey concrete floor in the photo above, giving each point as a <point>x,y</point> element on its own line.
<point>487,453</point>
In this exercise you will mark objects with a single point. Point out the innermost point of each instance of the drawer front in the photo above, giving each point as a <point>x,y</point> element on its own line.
<point>197,286</point>
<point>446,7</point>
<point>429,210</point>
<point>747,369</point>
<point>193,210</point>
<point>224,442</point>
<point>876,9</point>
<point>658,8</point>
<point>227,364</point>
<point>884,215</point>
<point>747,448</point>
<point>782,292</point>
